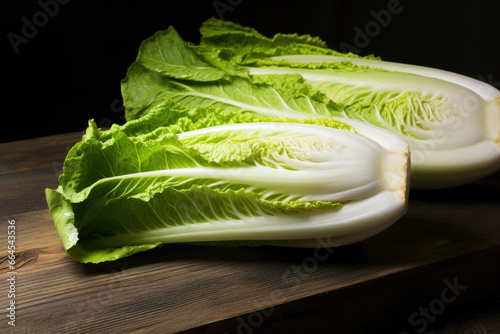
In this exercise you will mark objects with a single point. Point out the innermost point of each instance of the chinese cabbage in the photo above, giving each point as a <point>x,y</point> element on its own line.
<point>451,122</point>
<point>167,177</point>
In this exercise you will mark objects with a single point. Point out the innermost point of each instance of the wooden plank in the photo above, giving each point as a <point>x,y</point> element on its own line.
<point>382,305</point>
<point>482,317</point>
<point>168,283</point>
<point>380,281</point>
<point>36,153</point>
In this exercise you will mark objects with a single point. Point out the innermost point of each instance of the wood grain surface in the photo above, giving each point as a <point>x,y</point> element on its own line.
<point>436,270</point>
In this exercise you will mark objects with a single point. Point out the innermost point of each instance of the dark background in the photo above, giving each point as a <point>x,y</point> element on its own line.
<point>70,67</point>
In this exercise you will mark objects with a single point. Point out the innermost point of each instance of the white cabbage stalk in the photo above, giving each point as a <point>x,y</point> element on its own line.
<point>454,136</point>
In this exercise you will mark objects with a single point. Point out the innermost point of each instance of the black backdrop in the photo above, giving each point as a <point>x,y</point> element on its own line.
<point>63,60</point>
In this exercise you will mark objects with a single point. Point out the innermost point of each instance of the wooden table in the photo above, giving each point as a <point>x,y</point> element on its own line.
<point>436,268</point>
